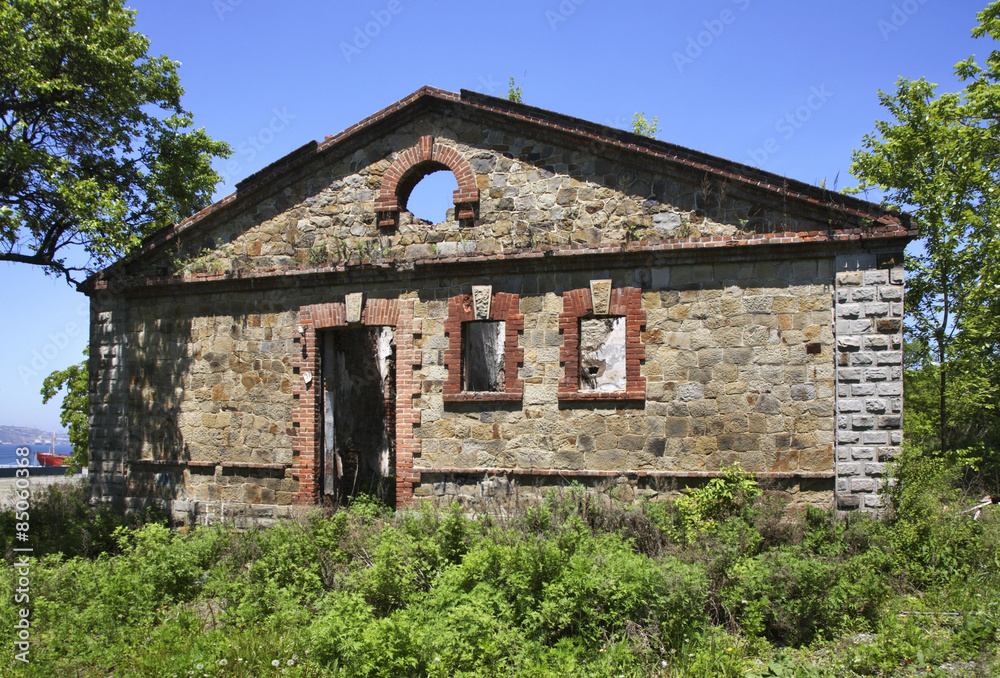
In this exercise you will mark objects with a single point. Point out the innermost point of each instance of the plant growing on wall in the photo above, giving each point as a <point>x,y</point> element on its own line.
<point>642,126</point>
<point>514,92</point>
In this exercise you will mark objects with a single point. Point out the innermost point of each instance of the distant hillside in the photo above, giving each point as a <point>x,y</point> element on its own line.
<point>22,435</point>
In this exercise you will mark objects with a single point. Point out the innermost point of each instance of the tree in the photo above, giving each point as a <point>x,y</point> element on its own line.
<point>938,158</point>
<point>73,411</point>
<point>642,126</point>
<point>96,151</point>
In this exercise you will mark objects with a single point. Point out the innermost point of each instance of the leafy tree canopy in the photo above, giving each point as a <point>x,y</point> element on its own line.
<point>96,150</point>
<point>73,410</point>
<point>939,158</point>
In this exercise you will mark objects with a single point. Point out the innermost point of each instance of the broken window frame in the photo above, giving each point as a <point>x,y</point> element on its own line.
<point>617,327</point>
<point>504,308</point>
<point>578,305</point>
<point>489,370</point>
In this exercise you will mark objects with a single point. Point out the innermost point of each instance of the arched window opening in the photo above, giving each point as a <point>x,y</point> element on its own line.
<point>432,196</point>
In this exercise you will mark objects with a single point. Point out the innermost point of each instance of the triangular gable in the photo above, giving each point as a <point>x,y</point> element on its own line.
<point>846,216</point>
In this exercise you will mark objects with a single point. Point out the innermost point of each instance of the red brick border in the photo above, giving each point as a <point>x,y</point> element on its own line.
<point>505,307</point>
<point>414,164</point>
<point>577,304</point>
<point>306,443</point>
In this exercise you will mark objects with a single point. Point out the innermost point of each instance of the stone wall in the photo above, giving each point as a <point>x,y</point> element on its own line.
<point>737,366</point>
<point>738,363</point>
<point>760,327</point>
<point>533,195</point>
<point>869,373</point>
<point>109,386</point>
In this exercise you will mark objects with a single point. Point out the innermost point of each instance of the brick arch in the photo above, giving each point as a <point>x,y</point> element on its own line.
<point>414,164</point>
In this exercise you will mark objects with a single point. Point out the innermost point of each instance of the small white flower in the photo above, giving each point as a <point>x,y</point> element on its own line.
<point>222,662</point>
<point>290,662</point>
<point>275,663</point>
<point>663,663</point>
<point>199,666</point>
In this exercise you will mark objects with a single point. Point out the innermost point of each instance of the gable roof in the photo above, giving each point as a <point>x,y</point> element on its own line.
<point>624,147</point>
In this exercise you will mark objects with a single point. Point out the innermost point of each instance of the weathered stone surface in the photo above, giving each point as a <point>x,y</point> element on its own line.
<point>600,293</point>
<point>354,303</point>
<point>482,296</point>
<point>741,354</point>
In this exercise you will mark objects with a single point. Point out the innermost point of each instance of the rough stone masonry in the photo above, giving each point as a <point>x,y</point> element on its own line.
<point>597,307</point>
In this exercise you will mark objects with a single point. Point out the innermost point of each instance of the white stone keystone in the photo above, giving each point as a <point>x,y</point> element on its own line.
<point>353,304</point>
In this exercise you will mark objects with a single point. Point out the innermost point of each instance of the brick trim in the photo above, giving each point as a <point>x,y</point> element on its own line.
<point>625,302</point>
<point>505,307</point>
<point>590,473</point>
<point>414,164</point>
<point>408,361</point>
<point>306,442</point>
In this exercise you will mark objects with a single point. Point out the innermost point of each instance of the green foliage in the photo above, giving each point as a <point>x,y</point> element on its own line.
<point>73,410</point>
<point>62,522</point>
<point>787,667</point>
<point>514,92</point>
<point>96,148</point>
<point>576,585</point>
<point>703,509</point>
<point>642,126</point>
<point>935,157</point>
<point>932,541</point>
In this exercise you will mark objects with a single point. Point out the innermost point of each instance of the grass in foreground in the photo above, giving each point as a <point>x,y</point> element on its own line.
<point>718,583</point>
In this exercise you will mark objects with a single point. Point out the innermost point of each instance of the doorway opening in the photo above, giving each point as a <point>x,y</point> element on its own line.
<point>359,414</point>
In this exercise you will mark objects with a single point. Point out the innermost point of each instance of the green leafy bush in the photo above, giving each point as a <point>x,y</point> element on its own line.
<point>63,522</point>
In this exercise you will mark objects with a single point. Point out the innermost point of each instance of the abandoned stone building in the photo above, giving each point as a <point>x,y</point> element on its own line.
<point>598,307</point>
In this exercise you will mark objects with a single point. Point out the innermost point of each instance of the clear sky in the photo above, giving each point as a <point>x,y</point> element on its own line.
<point>785,85</point>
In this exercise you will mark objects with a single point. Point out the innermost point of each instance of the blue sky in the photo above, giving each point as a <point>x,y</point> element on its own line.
<point>788,86</point>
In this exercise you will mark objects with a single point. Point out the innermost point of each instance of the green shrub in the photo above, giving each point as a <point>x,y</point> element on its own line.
<point>704,509</point>
<point>785,595</point>
<point>932,539</point>
<point>264,571</point>
<point>63,522</point>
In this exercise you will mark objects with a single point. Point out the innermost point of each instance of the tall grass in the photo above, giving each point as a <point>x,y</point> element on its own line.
<point>721,583</point>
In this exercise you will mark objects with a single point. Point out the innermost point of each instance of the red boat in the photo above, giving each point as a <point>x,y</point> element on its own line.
<point>51,459</point>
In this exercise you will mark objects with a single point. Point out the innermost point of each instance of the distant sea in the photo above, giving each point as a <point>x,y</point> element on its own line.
<point>8,454</point>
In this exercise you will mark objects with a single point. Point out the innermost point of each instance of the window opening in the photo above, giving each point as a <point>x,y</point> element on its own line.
<point>433,196</point>
<point>483,355</point>
<point>602,354</point>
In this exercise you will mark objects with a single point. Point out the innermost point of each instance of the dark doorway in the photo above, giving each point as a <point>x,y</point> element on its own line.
<point>359,408</point>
